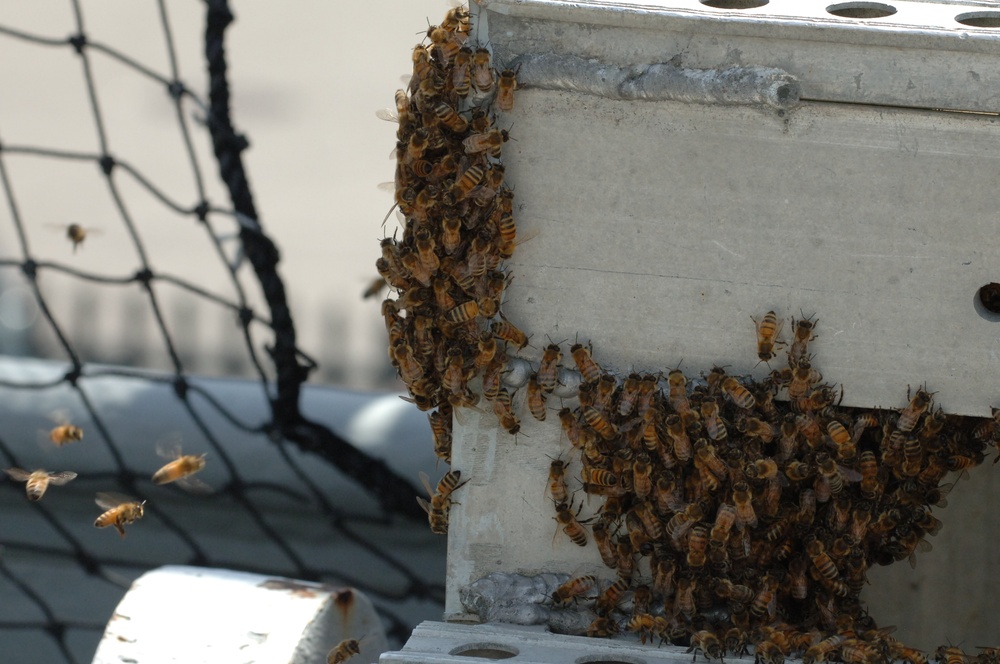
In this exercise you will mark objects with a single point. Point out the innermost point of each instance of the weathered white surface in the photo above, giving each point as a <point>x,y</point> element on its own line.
<point>440,643</point>
<point>190,614</point>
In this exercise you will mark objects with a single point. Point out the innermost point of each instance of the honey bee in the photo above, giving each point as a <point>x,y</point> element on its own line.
<point>180,469</point>
<point>677,392</point>
<point>762,469</point>
<point>489,142</point>
<point>725,517</point>
<point>705,456</point>
<point>768,329</point>
<point>764,602</point>
<point>740,395</point>
<point>821,559</point>
<point>120,511</point>
<point>506,85</point>
<point>842,439</point>
<point>482,73</point>
<point>441,424</point>
<point>343,651</point>
<point>548,368</point>
<point>74,232</point>
<point>610,597</point>
<point>912,413</point>
<point>536,398</point>
<point>599,422</point>
<point>742,499</point>
<point>697,544</point>
<point>460,73</point>
<point>804,332</point>
<point>504,412</point>
<point>65,434</point>
<point>642,475</point>
<point>642,624</point>
<point>572,589</point>
<point>820,651</point>
<point>492,377</point>
<point>714,426</point>
<point>836,475</point>
<point>505,330</point>
<point>804,377</point>
<point>602,627</point>
<point>462,313</point>
<point>605,545</point>
<point>557,481</point>
<point>767,652</point>
<point>410,369</point>
<point>567,519</point>
<point>681,522</point>
<point>447,116</point>
<point>684,603</point>
<point>678,435</point>
<point>599,477</point>
<point>440,500</point>
<point>39,480</point>
<point>758,428</point>
<point>470,178</point>
<point>585,364</point>
<point>707,643</point>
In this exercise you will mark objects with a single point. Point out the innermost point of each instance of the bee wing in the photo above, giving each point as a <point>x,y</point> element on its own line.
<point>426,481</point>
<point>62,478</point>
<point>110,500</point>
<point>171,452</point>
<point>60,416</point>
<point>850,474</point>
<point>18,474</point>
<point>424,504</point>
<point>194,485</point>
<point>387,114</point>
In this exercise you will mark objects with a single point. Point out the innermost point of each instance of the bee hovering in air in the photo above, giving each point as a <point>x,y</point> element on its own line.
<point>121,511</point>
<point>38,481</point>
<point>64,434</point>
<point>74,232</point>
<point>180,469</point>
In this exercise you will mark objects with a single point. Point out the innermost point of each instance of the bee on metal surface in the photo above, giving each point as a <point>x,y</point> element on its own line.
<point>764,602</point>
<point>180,469</point>
<point>570,525</point>
<point>548,368</point>
<point>506,85</point>
<point>846,448</point>
<point>505,330</point>
<point>684,602</point>
<point>642,475</point>
<point>602,626</point>
<point>629,395</point>
<point>677,392</point>
<point>343,651</point>
<point>804,331</point>
<point>705,455</point>
<point>598,477</point>
<point>707,643</point>
<point>482,72</point>
<point>573,589</point>
<point>585,364</point>
<point>768,329</point>
<point>912,413</point>
<point>820,652</point>
<point>835,474</point>
<point>471,176</point>
<point>410,370</point>
<point>440,500</point>
<point>681,522</point>
<point>605,545</point>
<point>610,597</point>
<point>65,434</point>
<point>38,481</point>
<point>120,511</point>
<point>503,409</point>
<point>804,377</point>
<point>441,426</point>
<point>536,398</point>
<point>714,426</point>
<point>557,482</point>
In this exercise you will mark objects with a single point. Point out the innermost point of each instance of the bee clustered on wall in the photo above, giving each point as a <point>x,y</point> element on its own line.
<point>445,325</point>
<point>740,512</point>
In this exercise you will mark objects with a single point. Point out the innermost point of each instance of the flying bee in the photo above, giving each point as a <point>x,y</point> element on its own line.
<point>585,364</point>
<point>74,232</point>
<point>39,480</point>
<point>768,329</point>
<point>489,142</point>
<point>482,73</point>
<point>343,651</point>
<point>506,85</point>
<point>180,469</point>
<point>912,413</point>
<point>440,500</point>
<point>65,434</point>
<point>120,511</point>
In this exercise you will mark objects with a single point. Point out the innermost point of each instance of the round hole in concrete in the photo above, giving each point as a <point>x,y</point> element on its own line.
<point>861,10</point>
<point>980,19</point>
<point>735,4</point>
<point>485,650</point>
<point>607,659</point>
<point>987,301</point>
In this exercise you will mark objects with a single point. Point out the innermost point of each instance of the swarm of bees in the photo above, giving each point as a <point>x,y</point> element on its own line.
<point>736,512</point>
<point>445,325</point>
<point>119,510</point>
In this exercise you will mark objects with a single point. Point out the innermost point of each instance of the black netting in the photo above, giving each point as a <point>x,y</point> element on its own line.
<point>282,480</point>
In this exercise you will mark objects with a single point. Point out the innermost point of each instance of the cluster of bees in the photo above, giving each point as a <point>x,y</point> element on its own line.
<point>120,510</point>
<point>445,326</point>
<point>736,513</point>
<point>740,512</point>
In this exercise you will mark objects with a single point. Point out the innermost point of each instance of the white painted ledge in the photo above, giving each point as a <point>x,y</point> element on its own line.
<point>195,615</point>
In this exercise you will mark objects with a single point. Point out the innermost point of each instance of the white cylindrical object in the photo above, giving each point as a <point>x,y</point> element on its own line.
<point>193,614</point>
